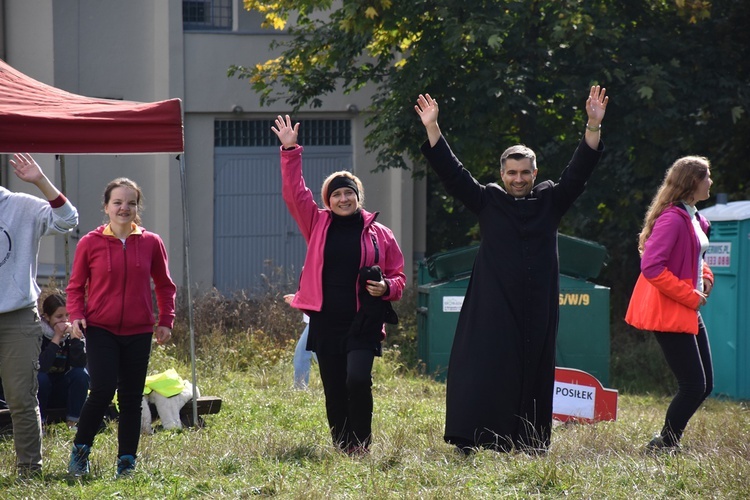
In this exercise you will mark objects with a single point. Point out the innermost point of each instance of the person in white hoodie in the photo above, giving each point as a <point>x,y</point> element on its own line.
<point>24,219</point>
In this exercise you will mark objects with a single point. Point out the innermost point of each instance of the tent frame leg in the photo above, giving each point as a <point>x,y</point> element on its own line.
<point>186,259</point>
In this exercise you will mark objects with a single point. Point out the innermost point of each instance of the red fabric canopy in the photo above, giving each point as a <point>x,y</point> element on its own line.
<point>38,118</point>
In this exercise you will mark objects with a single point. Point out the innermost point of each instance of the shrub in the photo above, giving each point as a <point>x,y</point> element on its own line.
<point>637,363</point>
<point>241,331</point>
<point>403,336</point>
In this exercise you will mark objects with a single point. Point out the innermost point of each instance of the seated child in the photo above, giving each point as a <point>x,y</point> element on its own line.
<point>63,378</point>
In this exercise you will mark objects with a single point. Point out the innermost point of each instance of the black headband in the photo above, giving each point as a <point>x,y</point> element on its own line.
<point>341,181</point>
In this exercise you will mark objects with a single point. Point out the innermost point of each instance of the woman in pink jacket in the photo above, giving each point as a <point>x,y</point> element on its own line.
<point>343,241</point>
<point>109,299</point>
<point>674,283</point>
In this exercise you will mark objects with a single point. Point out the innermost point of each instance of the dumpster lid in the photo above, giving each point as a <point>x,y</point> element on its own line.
<point>579,258</point>
<point>734,210</point>
<point>446,265</point>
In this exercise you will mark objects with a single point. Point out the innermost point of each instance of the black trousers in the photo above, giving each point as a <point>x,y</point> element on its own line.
<point>115,362</point>
<point>347,383</point>
<point>689,358</point>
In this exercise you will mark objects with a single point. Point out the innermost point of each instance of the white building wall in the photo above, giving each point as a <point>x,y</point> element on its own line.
<point>28,33</point>
<point>136,50</point>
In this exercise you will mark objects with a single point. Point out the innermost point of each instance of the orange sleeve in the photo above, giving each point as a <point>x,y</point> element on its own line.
<point>708,275</point>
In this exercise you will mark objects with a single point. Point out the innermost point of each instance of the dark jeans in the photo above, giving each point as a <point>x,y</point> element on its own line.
<point>347,383</point>
<point>689,358</point>
<point>115,362</point>
<point>68,390</point>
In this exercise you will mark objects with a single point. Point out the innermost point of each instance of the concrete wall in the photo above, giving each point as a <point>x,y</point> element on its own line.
<point>136,50</point>
<point>27,35</point>
<point>129,51</point>
<point>109,50</point>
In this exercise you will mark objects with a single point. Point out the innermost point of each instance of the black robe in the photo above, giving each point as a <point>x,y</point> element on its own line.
<point>502,365</point>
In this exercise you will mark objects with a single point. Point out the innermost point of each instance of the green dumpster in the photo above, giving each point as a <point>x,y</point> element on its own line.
<point>726,313</point>
<point>439,303</point>
<point>583,334</point>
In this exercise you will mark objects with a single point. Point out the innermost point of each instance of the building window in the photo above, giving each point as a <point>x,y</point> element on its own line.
<point>258,133</point>
<point>207,15</point>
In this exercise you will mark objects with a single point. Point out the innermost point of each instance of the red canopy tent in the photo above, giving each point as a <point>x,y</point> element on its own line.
<point>38,118</point>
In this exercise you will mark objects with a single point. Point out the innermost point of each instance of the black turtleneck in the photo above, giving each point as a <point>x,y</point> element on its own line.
<point>341,262</point>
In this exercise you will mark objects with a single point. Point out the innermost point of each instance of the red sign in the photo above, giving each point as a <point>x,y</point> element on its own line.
<point>579,396</point>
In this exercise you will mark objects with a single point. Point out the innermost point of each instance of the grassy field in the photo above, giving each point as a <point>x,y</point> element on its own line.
<point>271,441</point>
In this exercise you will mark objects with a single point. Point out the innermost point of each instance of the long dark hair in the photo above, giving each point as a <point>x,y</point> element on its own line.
<point>52,303</point>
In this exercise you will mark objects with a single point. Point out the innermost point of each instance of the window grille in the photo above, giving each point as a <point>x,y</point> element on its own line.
<point>258,133</point>
<point>206,15</point>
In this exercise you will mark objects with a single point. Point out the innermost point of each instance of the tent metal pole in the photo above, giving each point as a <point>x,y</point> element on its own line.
<point>186,266</point>
<point>64,190</point>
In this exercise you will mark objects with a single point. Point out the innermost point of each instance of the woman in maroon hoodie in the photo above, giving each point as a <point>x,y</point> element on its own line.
<point>109,300</point>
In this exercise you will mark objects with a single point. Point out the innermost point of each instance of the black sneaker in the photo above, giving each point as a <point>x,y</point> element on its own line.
<point>659,446</point>
<point>29,472</point>
<point>464,450</point>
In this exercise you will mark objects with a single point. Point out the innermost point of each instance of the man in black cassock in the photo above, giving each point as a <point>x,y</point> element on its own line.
<point>501,372</point>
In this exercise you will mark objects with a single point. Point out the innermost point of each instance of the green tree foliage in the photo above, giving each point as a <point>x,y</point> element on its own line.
<point>508,71</point>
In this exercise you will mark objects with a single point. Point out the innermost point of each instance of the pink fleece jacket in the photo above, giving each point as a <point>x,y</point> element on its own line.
<point>673,246</point>
<point>378,245</point>
<point>665,298</point>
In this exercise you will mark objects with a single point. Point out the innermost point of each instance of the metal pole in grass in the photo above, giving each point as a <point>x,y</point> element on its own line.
<point>186,283</point>
<point>64,190</point>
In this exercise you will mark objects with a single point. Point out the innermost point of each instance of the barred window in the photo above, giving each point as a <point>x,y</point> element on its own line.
<point>258,133</point>
<point>207,15</point>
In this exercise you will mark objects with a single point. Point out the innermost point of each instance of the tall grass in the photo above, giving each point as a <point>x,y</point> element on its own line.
<point>271,441</point>
<point>238,332</point>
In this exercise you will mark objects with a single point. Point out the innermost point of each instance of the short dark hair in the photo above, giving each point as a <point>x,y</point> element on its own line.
<point>518,152</point>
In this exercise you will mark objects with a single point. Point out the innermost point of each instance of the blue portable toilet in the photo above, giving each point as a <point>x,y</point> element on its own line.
<point>726,312</point>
